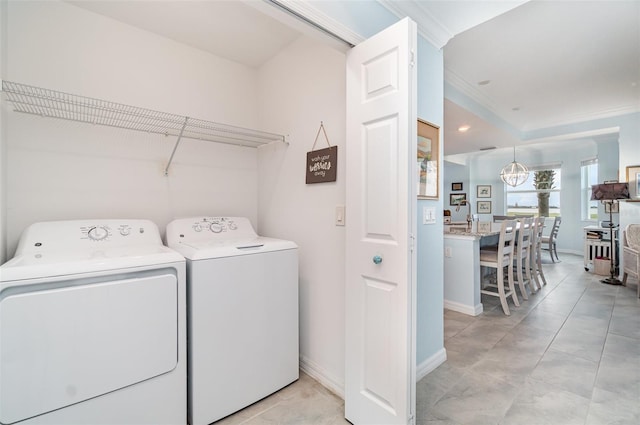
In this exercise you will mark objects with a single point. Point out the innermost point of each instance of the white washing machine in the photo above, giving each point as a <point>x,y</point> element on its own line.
<point>242,298</point>
<point>93,326</point>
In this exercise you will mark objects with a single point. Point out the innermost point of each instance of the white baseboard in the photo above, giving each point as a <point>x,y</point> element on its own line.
<point>321,375</point>
<point>564,251</point>
<point>463,308</point>
<point>427,366</point>
<point>329,381</point>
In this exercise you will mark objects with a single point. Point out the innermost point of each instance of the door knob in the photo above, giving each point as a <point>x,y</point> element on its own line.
<point>377,259</point>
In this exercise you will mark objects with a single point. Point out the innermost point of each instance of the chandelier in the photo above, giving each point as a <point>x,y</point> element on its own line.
<point>514,173</point>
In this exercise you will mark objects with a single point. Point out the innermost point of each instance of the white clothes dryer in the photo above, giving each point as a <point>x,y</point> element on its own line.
<point>93,326</point>
<point>242,314</point>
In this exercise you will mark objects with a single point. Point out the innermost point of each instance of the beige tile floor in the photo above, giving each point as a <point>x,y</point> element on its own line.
<point>568,355</point>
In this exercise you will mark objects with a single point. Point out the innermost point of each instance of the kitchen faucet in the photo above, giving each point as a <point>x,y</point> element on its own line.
<point>469,216</point>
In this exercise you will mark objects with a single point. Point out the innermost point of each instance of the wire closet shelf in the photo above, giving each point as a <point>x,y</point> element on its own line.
<point>50,103</point>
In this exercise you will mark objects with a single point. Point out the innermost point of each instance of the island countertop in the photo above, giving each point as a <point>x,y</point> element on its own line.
<point>461,231</point>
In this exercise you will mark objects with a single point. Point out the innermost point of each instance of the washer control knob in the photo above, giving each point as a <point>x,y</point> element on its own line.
<point>98,233</point>
<point>215,228</point>
<point>197,228</point>
<point>233,226</point>
<point>125,231</point>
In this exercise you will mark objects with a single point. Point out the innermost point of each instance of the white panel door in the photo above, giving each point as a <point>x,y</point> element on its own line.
<point>381,205</point>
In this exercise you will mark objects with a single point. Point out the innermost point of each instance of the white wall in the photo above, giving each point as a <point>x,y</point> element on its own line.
<point>299,88</point>
<point>66,170</point>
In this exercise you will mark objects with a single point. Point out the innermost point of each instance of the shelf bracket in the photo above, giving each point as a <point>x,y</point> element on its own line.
<point>166,170</point>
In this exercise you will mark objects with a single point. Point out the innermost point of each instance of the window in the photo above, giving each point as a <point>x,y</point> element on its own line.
<point>539,195</point>
<point>588,177</point>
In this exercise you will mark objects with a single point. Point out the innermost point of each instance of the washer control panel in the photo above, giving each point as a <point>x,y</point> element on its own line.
<point>215,225</point>
<point>209,229</point>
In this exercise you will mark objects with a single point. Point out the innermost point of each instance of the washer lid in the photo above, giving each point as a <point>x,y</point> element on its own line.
<point>42,264</point>
<point>202,250</point>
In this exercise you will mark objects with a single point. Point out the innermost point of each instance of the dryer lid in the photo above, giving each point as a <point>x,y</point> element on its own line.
<point>202,250</point>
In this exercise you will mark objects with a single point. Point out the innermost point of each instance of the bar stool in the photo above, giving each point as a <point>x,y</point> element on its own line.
<point>498,258</point>
<point>523,257</point>
<point>536,252</point>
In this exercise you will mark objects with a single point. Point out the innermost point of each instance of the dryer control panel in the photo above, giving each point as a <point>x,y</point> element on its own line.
<point>198,229</point>
<point>84,234</point>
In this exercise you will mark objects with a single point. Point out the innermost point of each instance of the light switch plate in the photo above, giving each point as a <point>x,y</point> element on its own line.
<point>428,215</point>
<point>340,215</point>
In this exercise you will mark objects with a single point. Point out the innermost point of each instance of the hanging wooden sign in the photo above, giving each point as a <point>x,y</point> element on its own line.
<point>323,163</point>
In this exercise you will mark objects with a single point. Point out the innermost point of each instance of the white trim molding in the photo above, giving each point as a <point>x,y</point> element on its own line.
<point>320,374</point>
<point>463,308</point>
<point>430,364</point>
<point>428,26</point>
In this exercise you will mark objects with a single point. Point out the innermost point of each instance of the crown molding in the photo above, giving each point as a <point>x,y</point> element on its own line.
<point>471,91</point>
<point>428,26</point>
<point>580,118</point>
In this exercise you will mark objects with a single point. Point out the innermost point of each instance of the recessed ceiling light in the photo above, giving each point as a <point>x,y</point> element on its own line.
<point>483,82</point>
<point>464,128</point>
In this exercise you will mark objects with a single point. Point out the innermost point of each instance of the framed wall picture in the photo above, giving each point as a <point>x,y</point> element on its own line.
<point>484,227</point>
<point>483,191</point>
<point>633,177</point>
<point>456,198</point>
<point>456,186</point>
<point>428,157</point>
<point>484,207</point>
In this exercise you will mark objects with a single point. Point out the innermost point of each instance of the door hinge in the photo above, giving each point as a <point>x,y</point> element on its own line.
<point>412,420</point>
<point>412,241</point>
<point>413,58</point>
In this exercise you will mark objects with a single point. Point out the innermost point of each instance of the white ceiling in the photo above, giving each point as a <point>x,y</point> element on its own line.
<point>230,29</point>
<point>553,62</point>
<point>557,62</point>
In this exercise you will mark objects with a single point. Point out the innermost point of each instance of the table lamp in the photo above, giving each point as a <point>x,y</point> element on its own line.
<point>609,193</point>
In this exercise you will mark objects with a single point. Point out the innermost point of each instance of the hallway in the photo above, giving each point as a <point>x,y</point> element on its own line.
<point>568,355</point>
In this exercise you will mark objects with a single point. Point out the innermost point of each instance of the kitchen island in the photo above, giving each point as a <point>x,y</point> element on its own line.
<point>462,264</point>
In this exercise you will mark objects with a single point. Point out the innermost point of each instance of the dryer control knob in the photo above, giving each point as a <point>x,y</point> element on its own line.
<point>233,226</point>
<point>197,228</point>
<point>125,231</point>
<point>98,233</point>
<point>215,228</point>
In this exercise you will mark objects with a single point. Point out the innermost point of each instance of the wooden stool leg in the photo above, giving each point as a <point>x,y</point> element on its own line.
<point>512,285</point>
<point>540,269</point>
<point>523,290</point>
<point>501,292</point>
<point>527,269</point>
